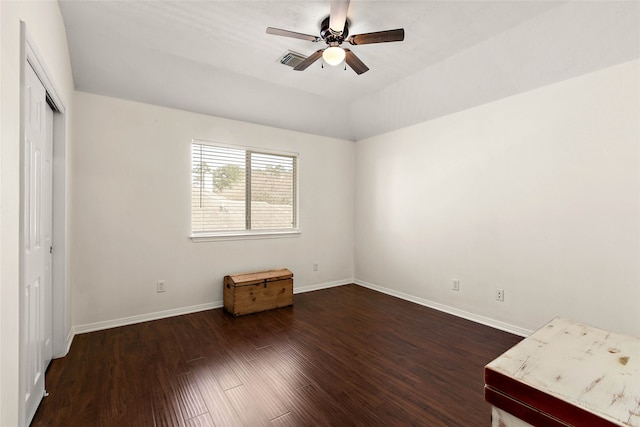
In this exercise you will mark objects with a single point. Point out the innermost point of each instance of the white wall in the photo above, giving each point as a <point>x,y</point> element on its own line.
<point>537,194</point>
<point>44,24</point>
<point>132,205</point>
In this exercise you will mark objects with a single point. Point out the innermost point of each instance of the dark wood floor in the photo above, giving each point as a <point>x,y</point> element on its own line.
<point>341,356</point>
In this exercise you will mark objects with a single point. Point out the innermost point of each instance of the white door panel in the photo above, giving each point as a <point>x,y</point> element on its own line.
<point>36,280</point>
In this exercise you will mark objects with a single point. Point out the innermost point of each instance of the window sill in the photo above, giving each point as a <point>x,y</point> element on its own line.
<point>243,235</point>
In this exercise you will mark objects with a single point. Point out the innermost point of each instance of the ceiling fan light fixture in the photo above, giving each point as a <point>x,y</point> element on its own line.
<point>333,55</point>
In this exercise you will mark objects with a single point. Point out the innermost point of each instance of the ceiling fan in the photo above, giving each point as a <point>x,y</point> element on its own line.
<point>334,30</point>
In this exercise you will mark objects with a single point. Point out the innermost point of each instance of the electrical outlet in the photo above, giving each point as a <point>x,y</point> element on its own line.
<point>456,285</point>
<point>160,286</point>
<point>316,266</point>
<point>500,294</point>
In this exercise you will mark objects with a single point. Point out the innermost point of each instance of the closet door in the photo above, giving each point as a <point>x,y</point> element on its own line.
<point>36,278</point>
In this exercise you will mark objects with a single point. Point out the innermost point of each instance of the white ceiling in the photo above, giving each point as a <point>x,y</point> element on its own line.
<point>214,57</point>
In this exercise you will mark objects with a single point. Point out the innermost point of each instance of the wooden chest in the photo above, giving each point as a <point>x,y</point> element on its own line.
<point>567,374</point>
<point>252,292</point>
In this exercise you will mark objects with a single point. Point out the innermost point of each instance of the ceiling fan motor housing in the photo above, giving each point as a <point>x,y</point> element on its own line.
<point>331,37</point>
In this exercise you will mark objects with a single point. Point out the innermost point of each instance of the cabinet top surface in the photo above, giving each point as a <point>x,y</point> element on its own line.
<point>587,367</point>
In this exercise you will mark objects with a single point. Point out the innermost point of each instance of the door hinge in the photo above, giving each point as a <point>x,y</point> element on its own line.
<point>50,249</point>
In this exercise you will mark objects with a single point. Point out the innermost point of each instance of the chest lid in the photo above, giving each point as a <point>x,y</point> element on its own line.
<point>246,279</point>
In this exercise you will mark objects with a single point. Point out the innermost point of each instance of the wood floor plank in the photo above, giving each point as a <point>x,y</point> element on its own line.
<point>249,410</point>
<point>290,374</point>
<point>218,406</point>
<point>261,391</point>
<point>344,356</point>
<point>166,408</point>
<point>203,420</point>
<point>287,420</point>
<point>318,407</point>
<point>218,366</point>
<point>189,398</point>
<point>138,413</point>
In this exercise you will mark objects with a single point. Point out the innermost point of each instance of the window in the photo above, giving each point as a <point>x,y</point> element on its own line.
<point>238,191</point>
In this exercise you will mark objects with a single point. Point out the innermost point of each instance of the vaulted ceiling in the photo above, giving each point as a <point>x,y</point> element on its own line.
<point>214,57</point>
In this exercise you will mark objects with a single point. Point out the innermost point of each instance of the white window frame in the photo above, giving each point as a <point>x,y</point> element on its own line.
<point>246,234</point>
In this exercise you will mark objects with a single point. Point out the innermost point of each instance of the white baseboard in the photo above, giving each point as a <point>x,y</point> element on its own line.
<point>496,324</point>
<point>67,347</point>
<point>98,326</point>
<point>327,285</point>
<point>70,336</point>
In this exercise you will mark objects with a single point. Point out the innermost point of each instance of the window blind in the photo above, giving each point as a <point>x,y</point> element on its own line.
<point>239,190</point>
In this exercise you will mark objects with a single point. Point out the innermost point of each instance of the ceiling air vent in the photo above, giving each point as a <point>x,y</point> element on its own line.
<point>291,58</point>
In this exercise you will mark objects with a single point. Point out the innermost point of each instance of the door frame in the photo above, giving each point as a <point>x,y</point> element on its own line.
<point>62,333</point>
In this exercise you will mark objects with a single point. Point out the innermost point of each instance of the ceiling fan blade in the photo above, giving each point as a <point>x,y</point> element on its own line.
<point>354,62</point>
<point>292,34</point>
<point>310,60</point>
<point>338,15</point>
<point>378,37</point>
